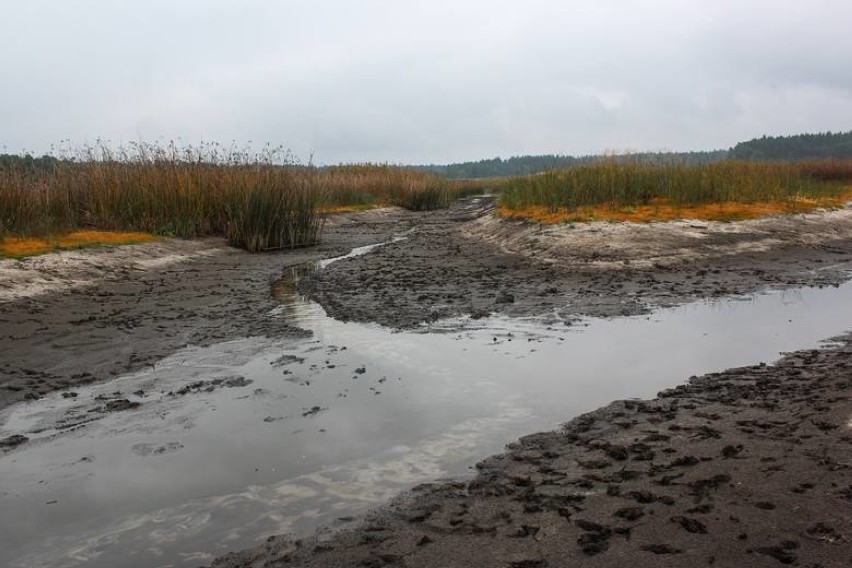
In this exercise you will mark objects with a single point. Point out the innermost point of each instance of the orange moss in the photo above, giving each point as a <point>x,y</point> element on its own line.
<point>23,247</point>
<point>661,211</point>
<point>14,247</point>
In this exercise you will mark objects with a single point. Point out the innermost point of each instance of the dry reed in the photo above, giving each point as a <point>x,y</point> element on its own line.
<point>625,188</point>
<point>258,200</point>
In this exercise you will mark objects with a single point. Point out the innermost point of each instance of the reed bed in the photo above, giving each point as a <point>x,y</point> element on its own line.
<point>623,188</point>
<point>258,201</point>
<point>378,184</point>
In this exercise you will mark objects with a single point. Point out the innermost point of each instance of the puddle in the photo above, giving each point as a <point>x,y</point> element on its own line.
<point>254,437</point>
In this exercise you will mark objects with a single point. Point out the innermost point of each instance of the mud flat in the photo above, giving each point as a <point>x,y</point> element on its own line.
<point>78,317</point>
<point>209,348</point>
<point>748,467</point>
<point>487,265</point>
<point>87,316</point>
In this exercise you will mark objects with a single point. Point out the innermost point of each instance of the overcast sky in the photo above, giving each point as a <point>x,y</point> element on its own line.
<point>416,82</point>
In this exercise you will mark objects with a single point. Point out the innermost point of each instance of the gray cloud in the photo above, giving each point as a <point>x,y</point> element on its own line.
<point>417,82</point>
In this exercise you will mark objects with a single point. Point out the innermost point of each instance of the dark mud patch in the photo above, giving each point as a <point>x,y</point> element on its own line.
<point>103,317</point>
<point>71,319</point>
<point>212,385</point>
<point>120,404</point>
<point>13,441</point>
<point>461,265</point>
<point>664,490</point>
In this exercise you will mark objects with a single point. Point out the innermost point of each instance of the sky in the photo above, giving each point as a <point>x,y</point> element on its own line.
<point>435,81</point>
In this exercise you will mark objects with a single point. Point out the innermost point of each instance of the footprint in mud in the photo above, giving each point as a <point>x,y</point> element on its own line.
<point>156,449</point>
<point>313,411</point>
<point>660,549</point>
<point>782,552</point>
<point>287,360</point>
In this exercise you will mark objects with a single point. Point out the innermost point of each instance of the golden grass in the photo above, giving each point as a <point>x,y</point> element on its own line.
<point>659,211</point>
<point>19,247</point>
<point>353,185</point>
<point>625,190</point>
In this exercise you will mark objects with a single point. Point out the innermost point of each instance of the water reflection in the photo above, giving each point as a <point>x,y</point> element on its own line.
<point>329,426</point>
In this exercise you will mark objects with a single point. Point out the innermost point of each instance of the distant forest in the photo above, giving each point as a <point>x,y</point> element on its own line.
<point>798,147</point>
<point>766,148</point>
<point>27,163</point>
<point>791,148</point>
<point>524,165</point>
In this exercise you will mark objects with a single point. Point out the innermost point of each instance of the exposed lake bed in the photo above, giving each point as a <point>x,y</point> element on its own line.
<point>303,419</point>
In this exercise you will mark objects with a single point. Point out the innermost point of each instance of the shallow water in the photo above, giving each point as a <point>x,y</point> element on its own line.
<point>287,435</point>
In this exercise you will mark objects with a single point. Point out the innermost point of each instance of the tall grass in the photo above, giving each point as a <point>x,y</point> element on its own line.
<point>259,201</point>
<point>372,184</point>
<point>618,183</point>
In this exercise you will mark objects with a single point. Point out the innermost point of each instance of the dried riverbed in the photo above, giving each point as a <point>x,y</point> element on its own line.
<point>221,406</point>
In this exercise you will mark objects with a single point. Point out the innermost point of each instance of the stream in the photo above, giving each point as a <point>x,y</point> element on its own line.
<point>241,440</point>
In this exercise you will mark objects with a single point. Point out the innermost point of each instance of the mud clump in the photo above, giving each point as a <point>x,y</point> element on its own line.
<point>121,404</point>
<point>212,385</point>
<point>13,441</point>
<point>313,411</point>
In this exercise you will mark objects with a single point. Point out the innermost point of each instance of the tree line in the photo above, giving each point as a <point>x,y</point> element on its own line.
<point>798,147</point>
<point>27,163</point>
<point>766,148</point>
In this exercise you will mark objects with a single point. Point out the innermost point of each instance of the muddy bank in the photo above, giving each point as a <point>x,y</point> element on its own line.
<point>85,316</point>
<point>749,467</point>
<point>75,318</point>
<point>477,265</point>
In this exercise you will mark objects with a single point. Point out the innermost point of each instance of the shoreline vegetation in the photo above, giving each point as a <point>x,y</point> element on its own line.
<point>619,190</point>
<point>267,200</point>
<point>258,201</point>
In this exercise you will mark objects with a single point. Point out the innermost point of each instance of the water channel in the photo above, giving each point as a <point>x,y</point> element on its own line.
<point>237,441</point>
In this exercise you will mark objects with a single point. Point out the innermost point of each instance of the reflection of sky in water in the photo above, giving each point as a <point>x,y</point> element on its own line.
<point>213,471</point>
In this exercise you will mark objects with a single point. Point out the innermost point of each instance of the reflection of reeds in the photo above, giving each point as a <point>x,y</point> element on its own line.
<point>259,201</point>
<point>620,184</point>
